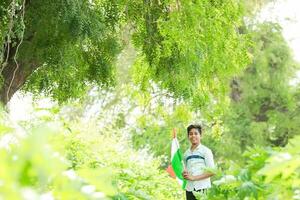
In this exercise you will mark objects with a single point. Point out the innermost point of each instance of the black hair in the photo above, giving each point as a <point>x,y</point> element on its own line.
<point>195,126</point>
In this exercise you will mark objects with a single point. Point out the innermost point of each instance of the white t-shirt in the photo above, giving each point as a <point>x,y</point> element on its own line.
<point>196,161</point>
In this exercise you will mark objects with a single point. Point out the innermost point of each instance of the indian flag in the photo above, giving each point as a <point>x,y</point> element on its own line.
<point>177,161</point>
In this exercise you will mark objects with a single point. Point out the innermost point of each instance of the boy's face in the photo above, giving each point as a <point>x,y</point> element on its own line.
<point>194,136</point>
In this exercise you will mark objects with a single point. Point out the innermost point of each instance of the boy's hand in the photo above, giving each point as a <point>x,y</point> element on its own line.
<point>187,176</point>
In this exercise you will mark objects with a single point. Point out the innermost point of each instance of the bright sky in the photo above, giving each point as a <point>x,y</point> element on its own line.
<point>285,12</point>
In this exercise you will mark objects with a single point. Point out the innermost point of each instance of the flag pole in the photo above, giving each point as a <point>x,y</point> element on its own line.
<point>174,133</point>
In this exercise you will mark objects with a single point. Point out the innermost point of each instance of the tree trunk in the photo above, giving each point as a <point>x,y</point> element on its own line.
<point>14,77</point>
<point>235,90</point>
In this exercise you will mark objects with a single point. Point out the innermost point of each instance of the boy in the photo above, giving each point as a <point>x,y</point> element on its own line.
<point>196,159</point>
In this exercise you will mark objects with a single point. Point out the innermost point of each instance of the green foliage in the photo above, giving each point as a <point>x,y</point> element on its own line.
<point>191,47</point>
<point>69,44</point>
<point>86,163</point>
<point>267,174</point>
<point>188,51</point>
<point>282,171</point>
<point>30,166</point>
<point>75,42</point>
<point>3,27</point>
<point>263,110</point>
<point>41,167</point>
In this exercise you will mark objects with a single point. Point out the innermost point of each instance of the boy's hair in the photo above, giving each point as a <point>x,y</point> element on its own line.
<point>195,126</point>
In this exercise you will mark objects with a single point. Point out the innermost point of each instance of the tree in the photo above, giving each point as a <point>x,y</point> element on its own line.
<point>263,109</point>
<point>58,47</point>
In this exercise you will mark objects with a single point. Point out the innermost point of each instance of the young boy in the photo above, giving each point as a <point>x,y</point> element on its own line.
<point>196,159</point>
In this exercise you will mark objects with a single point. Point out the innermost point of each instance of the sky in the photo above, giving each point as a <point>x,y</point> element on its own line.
<point>285,12</point>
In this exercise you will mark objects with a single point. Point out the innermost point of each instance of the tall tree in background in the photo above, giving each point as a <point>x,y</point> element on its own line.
<point>263,109</point>
<point>58,47</point>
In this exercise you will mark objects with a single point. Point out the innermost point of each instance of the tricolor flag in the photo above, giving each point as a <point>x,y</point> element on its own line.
<point>177,161</point>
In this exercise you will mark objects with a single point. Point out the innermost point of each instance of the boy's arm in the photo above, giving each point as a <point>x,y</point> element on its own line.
<point>199,177</point>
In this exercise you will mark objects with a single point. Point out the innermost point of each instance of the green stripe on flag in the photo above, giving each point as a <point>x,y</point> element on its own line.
<point>178,166</point>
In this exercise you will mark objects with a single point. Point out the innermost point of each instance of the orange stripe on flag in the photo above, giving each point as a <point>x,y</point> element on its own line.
<point>171,171</point>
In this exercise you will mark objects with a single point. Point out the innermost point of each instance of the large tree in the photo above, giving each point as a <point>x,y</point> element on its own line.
<point>59,44</point>
<point>58,47</point>
<point>263,109</point>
